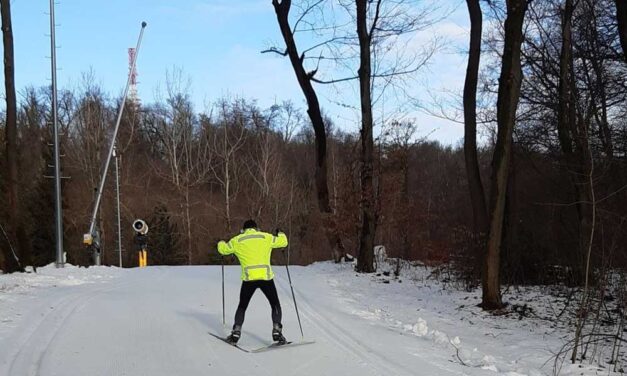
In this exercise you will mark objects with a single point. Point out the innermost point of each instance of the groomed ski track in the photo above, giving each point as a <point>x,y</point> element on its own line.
<point>154,321</point>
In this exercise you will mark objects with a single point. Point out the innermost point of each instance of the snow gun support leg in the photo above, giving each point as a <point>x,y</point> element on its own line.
<point>143,258</point>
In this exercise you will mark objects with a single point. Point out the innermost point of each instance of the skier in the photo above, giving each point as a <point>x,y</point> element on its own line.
<point>253,249</point>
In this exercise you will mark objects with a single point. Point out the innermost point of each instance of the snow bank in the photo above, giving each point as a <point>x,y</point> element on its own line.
<point>519,342</point>
<point>51,276</point>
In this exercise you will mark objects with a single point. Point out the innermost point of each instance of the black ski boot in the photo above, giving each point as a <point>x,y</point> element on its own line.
<point>277,335</point>
<point>236,333</point>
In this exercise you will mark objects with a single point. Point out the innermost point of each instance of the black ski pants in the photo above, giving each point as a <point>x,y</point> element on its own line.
<point>246,293</point>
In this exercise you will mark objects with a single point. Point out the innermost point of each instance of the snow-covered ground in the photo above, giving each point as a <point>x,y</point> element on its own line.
<point>155,321</point>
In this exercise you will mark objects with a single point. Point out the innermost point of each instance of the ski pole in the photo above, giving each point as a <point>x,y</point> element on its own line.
<point>223,317</point>
<point>289,278</point>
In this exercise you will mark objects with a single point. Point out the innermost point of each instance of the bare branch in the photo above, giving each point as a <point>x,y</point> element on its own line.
<point>275,50</point>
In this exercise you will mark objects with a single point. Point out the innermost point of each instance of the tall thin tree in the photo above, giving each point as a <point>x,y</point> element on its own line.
<point>304,78</point>
<point>367,203</point>
<point>477,195</point>
<point>621,18</point>
<point>16,230</point>
<point>507,104</point>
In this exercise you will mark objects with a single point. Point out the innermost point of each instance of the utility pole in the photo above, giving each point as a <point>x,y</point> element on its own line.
<point>57,159</point>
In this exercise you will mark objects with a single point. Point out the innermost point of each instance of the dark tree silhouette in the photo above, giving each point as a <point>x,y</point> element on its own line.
<point>282,10</point>
<point>477,195</point>
<point>16,232</point>
<point>507,104</point>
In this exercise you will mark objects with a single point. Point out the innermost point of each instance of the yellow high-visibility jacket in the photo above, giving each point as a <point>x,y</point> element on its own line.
<point>253,250</point>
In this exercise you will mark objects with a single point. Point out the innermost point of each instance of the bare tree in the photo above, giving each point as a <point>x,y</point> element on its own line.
<point>263,165</point>
<point>16,230</point>
<point>507,104</point>
<point>398,139</point>
<point>381,26</point>
<point>573,108</point>
<point>572,130</point>
<point>477,195</point>
<point>338,47</point>
<point>228,140</point>
<point>88,130</point>
<point>621,18</point>
<point>288,117</point>
<point>186,152</point>
<point>282,9</point>
<point>368,223</point>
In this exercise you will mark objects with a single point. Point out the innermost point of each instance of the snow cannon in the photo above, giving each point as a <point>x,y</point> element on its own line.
<point>141,241</point>
<point>140,227</point>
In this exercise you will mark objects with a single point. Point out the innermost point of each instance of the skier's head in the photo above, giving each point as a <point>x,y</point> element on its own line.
<point>249,224</point>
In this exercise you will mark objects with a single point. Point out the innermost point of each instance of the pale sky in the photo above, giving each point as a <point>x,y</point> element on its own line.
<point>217,44</point>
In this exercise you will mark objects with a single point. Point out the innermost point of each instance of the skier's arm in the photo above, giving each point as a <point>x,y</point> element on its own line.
<point>279,240</point>
<point>225,248</point>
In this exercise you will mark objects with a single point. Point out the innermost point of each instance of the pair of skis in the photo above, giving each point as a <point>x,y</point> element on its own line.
<point>264,348</point>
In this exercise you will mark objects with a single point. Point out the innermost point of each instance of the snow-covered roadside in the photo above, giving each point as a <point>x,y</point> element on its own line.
<point>19,292</point>
<point>417,305</point>
<point>49,277</point>
<point>363,325</point>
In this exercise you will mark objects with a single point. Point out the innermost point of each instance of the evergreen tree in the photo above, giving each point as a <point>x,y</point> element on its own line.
<point>164,246</point>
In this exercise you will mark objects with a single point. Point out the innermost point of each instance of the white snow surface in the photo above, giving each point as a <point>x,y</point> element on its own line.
<point>155,321</point>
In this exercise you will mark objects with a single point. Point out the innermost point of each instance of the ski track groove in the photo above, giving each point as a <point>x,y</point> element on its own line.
<point>248,356</point>
<point>28,359</point>
<point>365,353</point>
<point>30,355</point>
<point>57,328</point>
<point>143,320</point>
<point>395,330</point>
<point>345,341</point>
<point>32,329</point>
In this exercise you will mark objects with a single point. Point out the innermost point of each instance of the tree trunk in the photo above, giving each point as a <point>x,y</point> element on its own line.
<point>227,181</point>
<point>621,17</point>
<point>366,235</point>
<point>507,104</point>
<point>477,195</point>
<point>227,198</point>
<point>16,231</point>
<point>566,105</point>
<point>406,225</point>
<point>572,133</point>
<point>282,10</point>
<point>599,97</point>
<point>188,221</point>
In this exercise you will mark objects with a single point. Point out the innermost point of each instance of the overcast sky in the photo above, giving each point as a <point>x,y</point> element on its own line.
<point>216,43</point>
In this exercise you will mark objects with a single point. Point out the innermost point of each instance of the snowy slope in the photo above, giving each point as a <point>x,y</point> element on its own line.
<point>155,321</point>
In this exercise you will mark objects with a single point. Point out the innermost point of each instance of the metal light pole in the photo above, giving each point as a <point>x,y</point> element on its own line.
<point>92,226</point>
<point>117,191</point>
<point>57,158</point>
